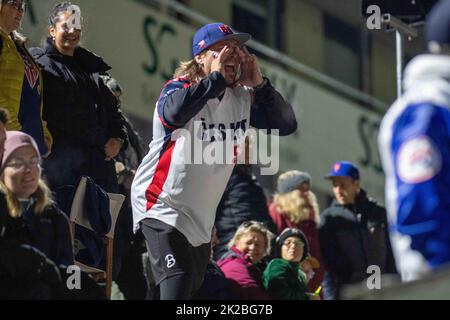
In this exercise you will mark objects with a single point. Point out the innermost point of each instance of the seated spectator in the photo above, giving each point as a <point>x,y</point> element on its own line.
<point>283,277</point>
<point>249,245</point>
<point>295,206</point>
<point>34,234</point>
<point>31,217</point>
<point>25,272</point>
<point>242,200</point>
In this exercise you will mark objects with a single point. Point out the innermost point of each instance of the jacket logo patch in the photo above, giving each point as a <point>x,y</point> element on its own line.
<point>31,73</point>
<point>419,160</point>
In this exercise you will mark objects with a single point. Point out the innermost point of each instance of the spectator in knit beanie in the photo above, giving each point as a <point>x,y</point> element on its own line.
<point>283,277</point>
<point>295,206</point>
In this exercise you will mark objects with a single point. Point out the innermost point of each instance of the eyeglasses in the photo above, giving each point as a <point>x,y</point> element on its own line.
<point>21,164</point>
<point>287,243</point>
<point>18,5</point>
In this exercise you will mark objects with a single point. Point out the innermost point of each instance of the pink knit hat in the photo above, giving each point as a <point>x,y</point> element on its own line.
<point>15,140</point>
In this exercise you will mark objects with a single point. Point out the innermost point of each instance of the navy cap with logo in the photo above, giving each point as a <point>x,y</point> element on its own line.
<point>212,33</point>
<point>437,27</point>
<point>343,169</point>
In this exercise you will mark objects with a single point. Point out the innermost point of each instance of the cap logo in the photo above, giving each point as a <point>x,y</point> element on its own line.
<point>419,160</point>
<point>201,44</point>
<point>336,167</point>
<point>225,29</point>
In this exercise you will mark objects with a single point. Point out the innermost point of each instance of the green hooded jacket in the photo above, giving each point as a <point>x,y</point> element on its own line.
<point>284,280</point>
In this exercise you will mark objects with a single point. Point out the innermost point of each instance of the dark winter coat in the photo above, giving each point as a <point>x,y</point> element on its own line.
<point>243,200</point>
<point>81,114</point>
<point>27,274</point>
<point>215,286</point>
<point>353,237</point>
<point>48,232</point>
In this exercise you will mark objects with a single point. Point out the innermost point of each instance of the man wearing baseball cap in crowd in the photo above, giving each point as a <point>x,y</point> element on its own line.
<point>353,233</point>
<point>414,146</point>
<point>175,198</point>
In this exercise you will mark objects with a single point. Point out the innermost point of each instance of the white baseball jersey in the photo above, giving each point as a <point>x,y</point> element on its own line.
<point>169,186</point>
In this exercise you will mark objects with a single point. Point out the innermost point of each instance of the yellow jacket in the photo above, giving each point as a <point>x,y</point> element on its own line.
<point>12,69</point>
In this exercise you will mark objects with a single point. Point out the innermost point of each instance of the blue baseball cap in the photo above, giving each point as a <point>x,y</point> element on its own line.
<point>343,169</point>
<point>212,33</point>
<point>437,27</point>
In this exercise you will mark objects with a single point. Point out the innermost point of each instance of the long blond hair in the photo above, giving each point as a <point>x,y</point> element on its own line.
<point>296,207</point>
<point>42,195</point>
<point>190,69</point>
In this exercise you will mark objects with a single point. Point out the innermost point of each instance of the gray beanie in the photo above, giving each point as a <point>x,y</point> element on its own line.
<point>295,180</point>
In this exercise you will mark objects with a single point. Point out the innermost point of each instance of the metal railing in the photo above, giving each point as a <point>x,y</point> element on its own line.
<point>371,102</point>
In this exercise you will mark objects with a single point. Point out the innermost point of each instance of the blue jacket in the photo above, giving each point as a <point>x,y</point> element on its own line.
<point>180,101</point>
<point>89,247</point>
<point>414,143</point>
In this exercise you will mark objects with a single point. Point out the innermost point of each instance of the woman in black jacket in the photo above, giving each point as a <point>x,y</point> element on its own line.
<point>82,114</point>
<point>28,215</point>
